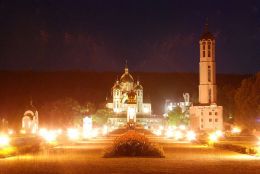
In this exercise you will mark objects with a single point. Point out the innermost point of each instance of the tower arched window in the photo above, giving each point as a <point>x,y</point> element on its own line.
<point>209,49</point>
<point>203,49</point>
<point>209,74</point>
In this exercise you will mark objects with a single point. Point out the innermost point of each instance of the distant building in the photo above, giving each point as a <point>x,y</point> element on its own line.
<point>207,115</point>
<point>184,105</point>
<point>30,120</point>
<point>128,102</point>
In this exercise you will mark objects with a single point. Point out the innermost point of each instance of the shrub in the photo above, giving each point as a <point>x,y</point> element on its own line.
<point>133,144</point>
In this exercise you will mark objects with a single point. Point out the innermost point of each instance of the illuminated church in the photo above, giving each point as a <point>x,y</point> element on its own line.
<point>128,102</point>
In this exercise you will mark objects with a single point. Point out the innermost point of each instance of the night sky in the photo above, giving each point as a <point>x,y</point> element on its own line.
<point>153,35</point>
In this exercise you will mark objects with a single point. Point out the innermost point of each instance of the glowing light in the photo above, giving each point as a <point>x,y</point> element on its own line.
<point>4,140</point>
<point>51,136</point>
<point>235,130</point>
<point>178,135</point>
<point>73,133</point>
<point>146,110</point>
<point>59,131</point>
<point>169,133</point>
<point>213,137</point>
<point>43,132</point>
<point>94,133</point>
<point>105,130</point>
<point>191,135</point>
<point>173,127</point>
<point>131,113</point>
<point>87,127</point>
<point>219,133</point>
<point>10,132</point>
<point>161,128</point>
<point>22,131</point>
<point>157,132</point>
<point>182,127</point>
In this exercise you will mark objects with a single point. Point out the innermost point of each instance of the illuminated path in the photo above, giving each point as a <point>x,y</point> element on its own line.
<point>86,157</point>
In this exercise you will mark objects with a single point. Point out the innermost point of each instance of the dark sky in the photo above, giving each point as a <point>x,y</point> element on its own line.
<point>153,35</point>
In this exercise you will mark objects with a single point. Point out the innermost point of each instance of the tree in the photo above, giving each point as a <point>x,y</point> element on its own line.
<point>88,108</point>
<point>61,113</point>
<point>226,94</point>
<point>176,117</point>
<point>101,116</point>
<point>247,102</point>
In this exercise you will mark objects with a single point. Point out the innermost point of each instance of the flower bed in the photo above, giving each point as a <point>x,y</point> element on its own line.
<point>134,145</point>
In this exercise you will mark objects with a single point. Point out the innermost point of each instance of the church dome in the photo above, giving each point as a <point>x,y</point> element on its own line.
<point>206,34</point>
<point>126,77</point>
<point>30,110</point>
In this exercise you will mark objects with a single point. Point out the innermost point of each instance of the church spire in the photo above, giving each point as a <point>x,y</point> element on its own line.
<point>206,34</point>
<point>126,67</point>
<point>206,26</point>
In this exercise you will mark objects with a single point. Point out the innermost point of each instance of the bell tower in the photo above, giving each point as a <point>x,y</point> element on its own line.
<point>207,68</point>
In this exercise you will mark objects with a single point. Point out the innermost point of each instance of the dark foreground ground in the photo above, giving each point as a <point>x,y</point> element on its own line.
<point>86,157</point>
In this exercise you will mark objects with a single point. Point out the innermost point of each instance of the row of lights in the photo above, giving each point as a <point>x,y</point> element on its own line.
<point>177,133</point>
<point>73,134</point>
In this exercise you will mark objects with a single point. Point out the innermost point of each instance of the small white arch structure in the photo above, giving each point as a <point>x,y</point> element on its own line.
<point>30,121</point>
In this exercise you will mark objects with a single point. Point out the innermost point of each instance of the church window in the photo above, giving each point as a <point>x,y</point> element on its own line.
<point>216,120</point>
<point>201,113</point>
<point>209,74</point>
<point>210,120</point>
<point>203,49</point>
<point>201,126</point>
<point>201,120</point>
<point>203,46</point>
<point>210,113</point>
<point>216,113</point>
<point>209,49</point>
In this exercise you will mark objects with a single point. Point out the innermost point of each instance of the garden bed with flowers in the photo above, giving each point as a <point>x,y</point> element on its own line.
<point>133,144</point>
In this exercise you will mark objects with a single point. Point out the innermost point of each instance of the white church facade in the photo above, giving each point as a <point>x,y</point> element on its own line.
<point>128,103</point>
<point>207,115</point>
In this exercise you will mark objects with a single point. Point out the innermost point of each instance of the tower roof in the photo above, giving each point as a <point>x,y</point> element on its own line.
<point>138,86</point>
<point>116,85</point>
<point>31,107</point>
<point>206,34</point>
<point>126,77</point>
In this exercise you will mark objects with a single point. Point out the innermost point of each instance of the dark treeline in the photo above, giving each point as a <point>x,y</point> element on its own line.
<point>18,88</point>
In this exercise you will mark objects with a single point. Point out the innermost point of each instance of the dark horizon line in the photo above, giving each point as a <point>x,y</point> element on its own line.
<point>122,71</point>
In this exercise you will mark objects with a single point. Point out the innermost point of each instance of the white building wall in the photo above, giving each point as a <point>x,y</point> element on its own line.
<point>139,101</point>
<point>147,108</point>
<point>206,118</point>
<point>207,66</point>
